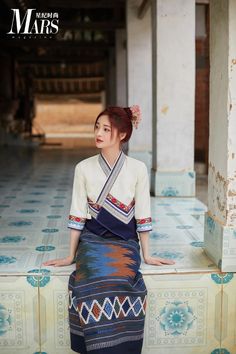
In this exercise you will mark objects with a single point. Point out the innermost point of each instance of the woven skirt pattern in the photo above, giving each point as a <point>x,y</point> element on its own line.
<point>107,296</point>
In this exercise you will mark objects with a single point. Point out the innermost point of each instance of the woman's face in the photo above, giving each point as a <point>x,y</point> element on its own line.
<point>102,133</point>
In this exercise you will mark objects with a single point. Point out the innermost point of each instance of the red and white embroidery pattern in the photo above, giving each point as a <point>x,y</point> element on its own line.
<point>144,224</point>
<point>76,222</point>
<point>114,206</point>
<point>120,204</point>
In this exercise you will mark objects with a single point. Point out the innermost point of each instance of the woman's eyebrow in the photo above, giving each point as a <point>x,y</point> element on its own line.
<point>105,125</point>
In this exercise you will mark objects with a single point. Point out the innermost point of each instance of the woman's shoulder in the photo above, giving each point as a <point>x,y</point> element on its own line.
<point>135,163</point>
<point>89,161</point>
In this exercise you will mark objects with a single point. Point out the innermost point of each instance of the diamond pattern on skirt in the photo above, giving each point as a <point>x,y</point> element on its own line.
<point>111,308</point>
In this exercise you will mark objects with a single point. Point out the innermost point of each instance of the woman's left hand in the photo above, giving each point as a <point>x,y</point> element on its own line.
<point>158,261</point>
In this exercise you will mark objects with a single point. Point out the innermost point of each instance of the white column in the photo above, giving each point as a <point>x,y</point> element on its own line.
<point>173,38</point>
<point>121,68</point>
<point>139,76</point>
<point>220,221</point>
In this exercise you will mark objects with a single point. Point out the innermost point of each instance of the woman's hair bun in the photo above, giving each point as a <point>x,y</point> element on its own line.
<point>134,113</point>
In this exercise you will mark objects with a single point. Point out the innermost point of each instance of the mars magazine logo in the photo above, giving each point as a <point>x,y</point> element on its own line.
<point>33,24</point>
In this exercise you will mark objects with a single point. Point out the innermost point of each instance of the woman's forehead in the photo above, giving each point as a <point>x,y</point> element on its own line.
<point>104,119</point>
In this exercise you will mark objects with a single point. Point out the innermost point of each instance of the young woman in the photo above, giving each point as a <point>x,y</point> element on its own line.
<point>110,207</point>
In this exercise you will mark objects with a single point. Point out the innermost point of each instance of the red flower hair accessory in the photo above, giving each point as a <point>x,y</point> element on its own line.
<point>136,115</point>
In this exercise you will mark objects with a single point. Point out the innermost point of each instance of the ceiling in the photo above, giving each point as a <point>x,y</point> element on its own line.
<point>73,61</point>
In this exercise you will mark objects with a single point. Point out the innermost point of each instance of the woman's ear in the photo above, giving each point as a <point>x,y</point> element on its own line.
<point>122,136</point>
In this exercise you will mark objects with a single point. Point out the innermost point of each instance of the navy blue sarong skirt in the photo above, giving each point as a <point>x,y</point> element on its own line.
<point>107,296</point>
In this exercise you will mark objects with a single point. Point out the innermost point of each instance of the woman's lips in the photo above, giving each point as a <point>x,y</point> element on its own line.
<point>99,140</point>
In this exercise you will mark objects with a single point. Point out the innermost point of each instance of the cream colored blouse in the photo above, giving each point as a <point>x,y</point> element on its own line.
<point>125,187</point>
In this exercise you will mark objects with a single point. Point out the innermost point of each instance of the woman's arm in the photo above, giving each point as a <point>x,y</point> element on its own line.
<point>144,240</point>
<point>74,240</point>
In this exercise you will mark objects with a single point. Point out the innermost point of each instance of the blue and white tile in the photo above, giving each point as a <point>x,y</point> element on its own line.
<point>175,184</point>
<point>55,220</point>
<point>20,210</point>
<point>177,207</point>
<point>229,312</point>
<point>30,210</point>
<point>20,239</point>
<point>229,249</point>
<point>164,221</point>
<point>181,223</point>
<point>23,223</point>
<point>187,258</point>
<point>213,240</point>
<point>20,261</point>
<point>190,220</point>
<point>19,317</point>
<point>181,200</point>
<point>54,315</point>
<point>191,206</point>
<point>60,239</point>
<point>181,314</point>
<point>173,235</point>
<point>8,197</point>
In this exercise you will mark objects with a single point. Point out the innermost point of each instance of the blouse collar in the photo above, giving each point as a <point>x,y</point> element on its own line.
<point>105,164</point>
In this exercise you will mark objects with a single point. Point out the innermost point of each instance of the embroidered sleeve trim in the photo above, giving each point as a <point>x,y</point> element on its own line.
<point>144,224</point>
<point>76,222</point>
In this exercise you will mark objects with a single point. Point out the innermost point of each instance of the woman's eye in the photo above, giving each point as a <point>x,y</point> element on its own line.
<point>105,129</point>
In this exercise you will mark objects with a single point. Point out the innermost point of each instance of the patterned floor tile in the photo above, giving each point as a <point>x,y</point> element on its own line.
<point>19,261</point>
<point>19,239</point>
<point>19,317</point>
<point>54,315</point>
<point>186,258</point>
<point>23,223</point>
<point>183,314</point>
<point>229,312</point>
<point>178,236</point>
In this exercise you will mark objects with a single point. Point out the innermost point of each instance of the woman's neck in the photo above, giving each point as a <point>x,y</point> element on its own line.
<point>110,155</point>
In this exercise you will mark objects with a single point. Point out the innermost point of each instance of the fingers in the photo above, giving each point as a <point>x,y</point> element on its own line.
<point>159,261</point>
<point>58,262</point>
<point>54,262</point>
<point>164,260</point>
<point>167,261</point>
<point>156,263</point>
<point>51,262</point>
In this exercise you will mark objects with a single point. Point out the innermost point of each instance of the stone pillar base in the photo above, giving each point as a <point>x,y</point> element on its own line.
<point>173,184</point>
<point>220,244</point>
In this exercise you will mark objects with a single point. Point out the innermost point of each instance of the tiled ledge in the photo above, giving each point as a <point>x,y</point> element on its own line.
<point>35,199</point>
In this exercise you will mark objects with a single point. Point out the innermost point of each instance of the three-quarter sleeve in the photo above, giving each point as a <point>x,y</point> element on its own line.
<point>79,204</point>
<point>143,201</point>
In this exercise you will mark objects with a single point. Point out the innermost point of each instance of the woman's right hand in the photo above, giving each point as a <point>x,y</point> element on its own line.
<point>60,262</point>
